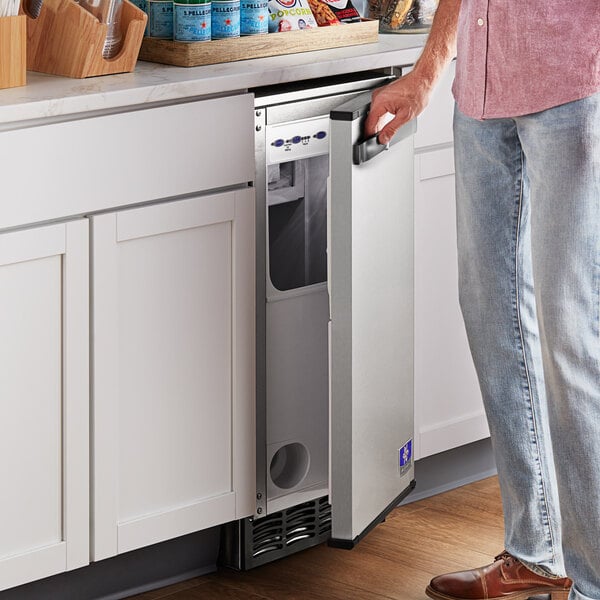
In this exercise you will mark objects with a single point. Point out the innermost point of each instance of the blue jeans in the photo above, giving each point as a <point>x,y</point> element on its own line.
<point>528,210</point>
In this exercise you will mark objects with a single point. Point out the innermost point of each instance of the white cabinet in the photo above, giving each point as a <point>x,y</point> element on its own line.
<point>171,344</point>
<point>43,401</point>
<point>448,406</point>
<point>173,369</point>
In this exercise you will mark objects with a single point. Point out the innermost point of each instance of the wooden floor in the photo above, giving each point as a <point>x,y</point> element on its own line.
<point>452,531</point>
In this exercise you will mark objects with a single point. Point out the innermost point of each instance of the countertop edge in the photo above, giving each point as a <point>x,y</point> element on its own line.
<point>48,97</point>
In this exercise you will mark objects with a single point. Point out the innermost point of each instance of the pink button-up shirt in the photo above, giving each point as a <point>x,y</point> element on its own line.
<point>520,57</point>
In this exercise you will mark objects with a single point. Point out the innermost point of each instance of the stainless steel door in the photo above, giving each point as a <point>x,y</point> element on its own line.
<point>292,142</point>
<point>370,275</point>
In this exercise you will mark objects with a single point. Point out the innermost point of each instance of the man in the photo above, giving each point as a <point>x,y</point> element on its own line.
<point>527,151</point>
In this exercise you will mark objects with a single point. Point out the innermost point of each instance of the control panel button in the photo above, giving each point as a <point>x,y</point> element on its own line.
<point>278,143</point>
<point>296,139</point>
<point>320,135</point>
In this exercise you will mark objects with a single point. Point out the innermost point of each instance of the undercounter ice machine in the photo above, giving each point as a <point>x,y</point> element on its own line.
<point>293,125</point>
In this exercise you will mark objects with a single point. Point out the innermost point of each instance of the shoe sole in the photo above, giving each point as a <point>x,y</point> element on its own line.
<point>540,593</point>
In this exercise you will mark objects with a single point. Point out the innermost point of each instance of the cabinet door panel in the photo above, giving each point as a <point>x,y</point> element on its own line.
<point>174,369</point>
<point>43,402</point>
<point>448,406</point>
<point>435,122</point>
<point>169,281</point>
<point>31,318</point>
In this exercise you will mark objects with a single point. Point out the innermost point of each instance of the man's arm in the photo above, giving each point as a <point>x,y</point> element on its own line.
<point>409,95</point>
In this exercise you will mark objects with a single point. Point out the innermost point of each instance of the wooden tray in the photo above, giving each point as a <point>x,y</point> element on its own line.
<point>194,54</point>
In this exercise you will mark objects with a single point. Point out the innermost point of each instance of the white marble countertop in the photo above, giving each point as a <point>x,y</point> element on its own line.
<point>50,96</point>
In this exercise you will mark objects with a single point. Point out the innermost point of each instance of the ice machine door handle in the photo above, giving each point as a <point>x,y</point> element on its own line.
<point>370,147</point>
<point>366,150</point>
<point>370,254</point>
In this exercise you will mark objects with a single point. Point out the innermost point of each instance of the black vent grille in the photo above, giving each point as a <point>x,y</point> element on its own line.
<point>267,535</point>
<point>324,516</point>
<point>259,541</point>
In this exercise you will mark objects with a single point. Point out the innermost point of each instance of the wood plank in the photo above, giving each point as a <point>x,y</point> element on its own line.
<point>222,590</point>
<point>194,54</point>
<point>298,578</point>
<point>371,570</point>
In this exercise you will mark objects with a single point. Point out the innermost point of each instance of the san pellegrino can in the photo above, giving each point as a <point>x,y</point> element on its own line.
<point>192,20</point>
<point>160,19</point>
<point>225,19</point>
<point>254,17</point>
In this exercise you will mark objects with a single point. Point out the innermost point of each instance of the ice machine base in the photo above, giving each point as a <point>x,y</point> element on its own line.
<point>254,542</point>
<point>349,544</point>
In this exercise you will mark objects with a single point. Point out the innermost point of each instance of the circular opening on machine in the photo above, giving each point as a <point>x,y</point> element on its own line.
<point>289,465</point>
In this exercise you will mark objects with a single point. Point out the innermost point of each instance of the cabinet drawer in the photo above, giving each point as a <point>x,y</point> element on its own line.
<point>435,163</point>
<point>115,160</point>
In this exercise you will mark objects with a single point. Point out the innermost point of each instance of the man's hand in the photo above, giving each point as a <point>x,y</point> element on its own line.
<point>405,98</point>
<point>408,96</point>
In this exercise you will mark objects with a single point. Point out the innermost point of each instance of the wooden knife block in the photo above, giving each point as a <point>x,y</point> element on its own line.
<point>67,40</point>
<point>12,51</point>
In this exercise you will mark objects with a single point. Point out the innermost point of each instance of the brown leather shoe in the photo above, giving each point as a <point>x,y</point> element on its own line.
<point>505,579</point>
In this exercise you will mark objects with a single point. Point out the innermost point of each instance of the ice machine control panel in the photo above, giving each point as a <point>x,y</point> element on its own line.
<point>296,140</point>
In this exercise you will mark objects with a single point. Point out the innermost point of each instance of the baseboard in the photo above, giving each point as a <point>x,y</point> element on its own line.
<point>140,589</point>
<point>469,428</point>
<point>451,469</point>
<point>130,573</point>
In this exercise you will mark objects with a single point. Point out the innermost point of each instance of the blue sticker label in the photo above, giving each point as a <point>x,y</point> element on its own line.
<point>405,456</point>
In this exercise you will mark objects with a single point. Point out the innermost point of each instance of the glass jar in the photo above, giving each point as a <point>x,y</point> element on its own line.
<point>402,16</point>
